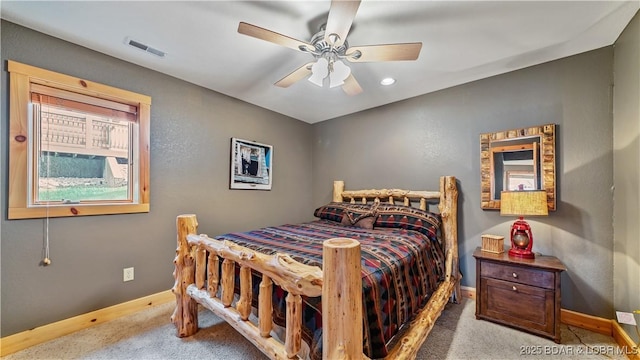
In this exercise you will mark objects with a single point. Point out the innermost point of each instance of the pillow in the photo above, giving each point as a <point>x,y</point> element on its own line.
<point>364,222</point>
<point>409,218</point>
<point>332,211</point>
<point>360,215</point>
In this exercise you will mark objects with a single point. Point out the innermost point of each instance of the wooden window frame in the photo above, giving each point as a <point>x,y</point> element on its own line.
<point>21,78</point>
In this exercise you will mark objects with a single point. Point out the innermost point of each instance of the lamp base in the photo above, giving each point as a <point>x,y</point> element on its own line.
<point>521,253</point>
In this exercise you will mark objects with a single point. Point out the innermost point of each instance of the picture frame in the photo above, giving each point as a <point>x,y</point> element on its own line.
<point>251,165</point>
<point>517,180</point>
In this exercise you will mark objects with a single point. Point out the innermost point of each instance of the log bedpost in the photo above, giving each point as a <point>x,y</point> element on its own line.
<point>342,314</point>
<point>338,188</point>
<point>185,315</point>
<point>449,213</point>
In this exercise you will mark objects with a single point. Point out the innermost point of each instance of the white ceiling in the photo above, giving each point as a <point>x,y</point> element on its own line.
<point>462,41</point>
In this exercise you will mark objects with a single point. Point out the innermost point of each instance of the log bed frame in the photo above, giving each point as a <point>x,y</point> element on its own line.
<point>197,281</point>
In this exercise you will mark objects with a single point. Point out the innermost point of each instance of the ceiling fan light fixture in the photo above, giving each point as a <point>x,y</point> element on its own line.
<point>339,74</point>
<point>319,71</point>
<point>335,70</point>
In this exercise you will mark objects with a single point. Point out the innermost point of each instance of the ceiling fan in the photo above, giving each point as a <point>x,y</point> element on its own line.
<point>329,46</point>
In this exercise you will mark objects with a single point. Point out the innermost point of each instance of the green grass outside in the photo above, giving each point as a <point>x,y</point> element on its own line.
<point>80,193</point>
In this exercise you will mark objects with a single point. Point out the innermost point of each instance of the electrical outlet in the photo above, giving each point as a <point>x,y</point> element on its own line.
<point>127,274</point>
<point>625,318</point>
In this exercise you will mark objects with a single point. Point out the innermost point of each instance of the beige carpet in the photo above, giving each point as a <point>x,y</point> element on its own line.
<point>457,335</point>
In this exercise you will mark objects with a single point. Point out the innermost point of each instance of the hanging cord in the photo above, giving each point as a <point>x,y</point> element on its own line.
<point>38,114</point>
<point>46,261</point>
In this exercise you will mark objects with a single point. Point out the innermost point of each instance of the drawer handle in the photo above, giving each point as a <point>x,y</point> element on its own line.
<point>515,288</point>
<point>515,276</point>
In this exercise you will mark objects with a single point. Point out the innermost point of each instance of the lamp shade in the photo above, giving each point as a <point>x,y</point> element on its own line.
<point>329,67</point>
<point>319,71</point>
<point>520,203</point>
<point>339,74</point>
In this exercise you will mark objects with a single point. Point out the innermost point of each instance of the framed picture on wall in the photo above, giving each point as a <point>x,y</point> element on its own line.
<point>251,165</point>
<point>519,180</point>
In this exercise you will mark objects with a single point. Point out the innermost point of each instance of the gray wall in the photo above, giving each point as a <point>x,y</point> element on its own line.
<point>626,172</point>
<point>191,129</point>
<point>410,144</point>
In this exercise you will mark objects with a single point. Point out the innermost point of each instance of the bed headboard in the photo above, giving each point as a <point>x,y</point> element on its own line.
<point>388,195</point>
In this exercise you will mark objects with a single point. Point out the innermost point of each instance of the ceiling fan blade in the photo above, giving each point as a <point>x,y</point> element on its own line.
<point>388,52</point>
<point>341,15</point>
<point>297,75</point>
<point>351,86</point>
<point>274,37</point>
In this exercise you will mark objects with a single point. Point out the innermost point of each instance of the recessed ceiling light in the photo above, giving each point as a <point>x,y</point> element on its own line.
<point>387,81</point>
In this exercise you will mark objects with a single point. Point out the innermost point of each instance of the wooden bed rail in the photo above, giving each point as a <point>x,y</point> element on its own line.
<point>198,281</point>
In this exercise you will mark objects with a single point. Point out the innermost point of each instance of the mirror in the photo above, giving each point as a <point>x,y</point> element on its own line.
<point>519,159</point>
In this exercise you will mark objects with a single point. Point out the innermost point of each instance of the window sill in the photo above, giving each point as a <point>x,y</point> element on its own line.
<point>76,210</point>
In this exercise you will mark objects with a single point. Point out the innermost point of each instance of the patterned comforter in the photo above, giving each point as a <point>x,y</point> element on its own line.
<point>400,270</point>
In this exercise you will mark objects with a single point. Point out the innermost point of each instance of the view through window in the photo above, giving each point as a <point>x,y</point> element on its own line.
<point>82,157</point>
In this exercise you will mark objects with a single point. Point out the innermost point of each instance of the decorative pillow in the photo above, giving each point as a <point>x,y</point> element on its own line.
<point>360,215</point>
<point>332,211</point>
<point>409,218</point>
<point>363,222</point>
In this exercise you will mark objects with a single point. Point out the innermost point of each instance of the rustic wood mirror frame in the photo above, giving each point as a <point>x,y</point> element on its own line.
<point>547,162</point>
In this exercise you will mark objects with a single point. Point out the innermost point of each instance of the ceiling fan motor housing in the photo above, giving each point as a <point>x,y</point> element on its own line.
<point>323,48</point>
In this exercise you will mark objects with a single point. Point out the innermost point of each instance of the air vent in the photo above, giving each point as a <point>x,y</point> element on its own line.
<point>143,47</point>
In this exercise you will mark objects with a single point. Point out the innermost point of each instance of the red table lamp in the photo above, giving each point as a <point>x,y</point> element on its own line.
<point>521,203</point>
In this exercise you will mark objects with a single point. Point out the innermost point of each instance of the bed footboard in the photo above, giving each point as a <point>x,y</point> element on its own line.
<point>197,281</point>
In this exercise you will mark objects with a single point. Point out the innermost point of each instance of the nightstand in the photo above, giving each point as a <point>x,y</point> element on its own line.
<point>520,293</point>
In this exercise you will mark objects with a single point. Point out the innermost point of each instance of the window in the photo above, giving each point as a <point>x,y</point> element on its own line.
<point>76,147</point>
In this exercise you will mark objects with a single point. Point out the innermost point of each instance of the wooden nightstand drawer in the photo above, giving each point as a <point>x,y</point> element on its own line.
<point>518,305</point>
<point>528,276</point>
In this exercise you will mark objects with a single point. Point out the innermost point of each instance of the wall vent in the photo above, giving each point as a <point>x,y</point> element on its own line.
<point>146,48</point>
